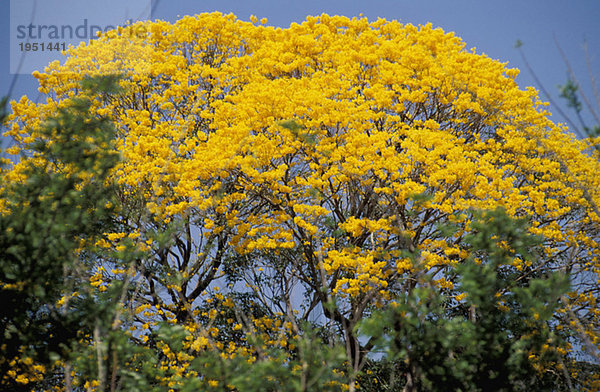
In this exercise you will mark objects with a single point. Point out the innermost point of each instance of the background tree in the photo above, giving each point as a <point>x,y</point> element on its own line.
<point>295,173</point>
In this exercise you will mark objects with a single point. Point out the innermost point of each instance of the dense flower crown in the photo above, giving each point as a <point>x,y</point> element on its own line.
<point>336,145</point>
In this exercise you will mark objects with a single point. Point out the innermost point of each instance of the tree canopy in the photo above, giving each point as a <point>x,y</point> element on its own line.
<point>281,183</point>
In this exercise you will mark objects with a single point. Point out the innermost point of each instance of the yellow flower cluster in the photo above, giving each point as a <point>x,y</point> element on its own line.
<point>24,371</point>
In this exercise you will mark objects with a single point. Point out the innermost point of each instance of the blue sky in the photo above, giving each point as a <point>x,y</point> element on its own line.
<point>492,27</point>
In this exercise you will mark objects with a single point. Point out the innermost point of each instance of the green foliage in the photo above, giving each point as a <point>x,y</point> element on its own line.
<point>501,326</point>
<point>314,367</point>
<point>568,92</point>
<point>58,205</point>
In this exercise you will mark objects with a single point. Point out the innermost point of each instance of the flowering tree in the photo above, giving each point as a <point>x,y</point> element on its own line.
<point>276,178</point>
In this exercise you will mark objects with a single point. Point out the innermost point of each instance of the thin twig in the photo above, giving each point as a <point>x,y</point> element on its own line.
<point>588,62</point>
<point>100,358</point>
<point>548,96</point>
<point>574,78</point>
